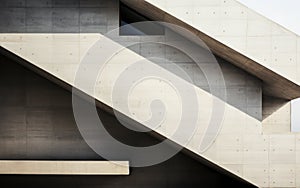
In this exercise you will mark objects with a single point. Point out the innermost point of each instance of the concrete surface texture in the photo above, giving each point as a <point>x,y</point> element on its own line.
<point>284,87</point>
<point>37,123</point>
<point>243,30</point>
<point>240,147</point>
<point>234,119</point>
<point>65,16</point>
<point>93,15</point>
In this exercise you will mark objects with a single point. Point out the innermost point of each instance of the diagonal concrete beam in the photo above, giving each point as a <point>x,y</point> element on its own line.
<point>240,146</point>
<point>60,55</point>
<point>277,79</point>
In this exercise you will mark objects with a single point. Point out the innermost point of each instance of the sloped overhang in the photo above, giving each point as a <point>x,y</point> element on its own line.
<point>273,84</point>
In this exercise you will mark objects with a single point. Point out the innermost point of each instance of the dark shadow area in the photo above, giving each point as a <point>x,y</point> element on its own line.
<point>242,90</point>
<point>93,16</point>
<point>36,122</point>
<point>129,16</point>
<point>239,88</point>
<point>271,105</point>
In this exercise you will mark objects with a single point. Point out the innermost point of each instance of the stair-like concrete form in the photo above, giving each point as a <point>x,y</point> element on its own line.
<point>239,35</point>
<point>262,48</point>
<point>241,148</point>
<point>60,55</point>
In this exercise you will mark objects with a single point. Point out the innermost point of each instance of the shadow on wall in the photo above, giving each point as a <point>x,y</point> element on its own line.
<point>243,90</point>
<point>101,16</point>
<point>37,122</point>
<point>276,115</point>
<point>271,105</point>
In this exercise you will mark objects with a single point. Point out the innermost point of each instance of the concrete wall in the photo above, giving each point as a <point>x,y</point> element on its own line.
<point>60,55</point>
<point>227,151</point>
<point>94,16</point>
<point>276,116</point>
<point>58,16</point>
<point>243,30</point>
<point>243,90</point>
<point>37,123</point>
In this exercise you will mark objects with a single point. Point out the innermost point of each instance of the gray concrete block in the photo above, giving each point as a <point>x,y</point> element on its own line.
<point>39,3</point>
<point>99,3</point>
<point>93,20</point>
<point>39,148</point>
<point>183,70</point>
<point>65,3</point>
<point>254,97</point>
<point>59,99</point>
<point>175,55</point>
<point>12,96</point>
<point>63,121</point>
<point>13,148</point>
<point>255,112</point>
<point>39,123</point>
<point>12,3</point>
<point>136,47</point>
<point>37,98</point>
<point>11,115</point>
<point>14,20</point>
<point>112,16</point>
<point>200,78</point>
<point>65,20</point>
<point>237,96</point>
<point>39,20</point>
<point>74,148</point>
<point>153,50</point>
<point>209,70</point>
<point>253,81</point>
<point>12,122</point>
<point>234,78</point>
<point>112,28</point>
<point>153,38</point>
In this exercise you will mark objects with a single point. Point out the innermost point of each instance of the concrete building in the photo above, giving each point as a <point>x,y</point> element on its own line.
<point>210,79</point>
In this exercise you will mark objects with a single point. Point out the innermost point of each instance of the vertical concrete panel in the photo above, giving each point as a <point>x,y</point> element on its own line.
<point>99,3</point>
<point>65,20</point>
<point>48,131</point>
<point>65,3</point>
<point>12,19</point>
<point>12,3</point>
<point>93,20</point>
<point>243,90</point>
<point>39,3</point>
<point>38,20</point>
<point>276,115</point>
<point>67,16</point>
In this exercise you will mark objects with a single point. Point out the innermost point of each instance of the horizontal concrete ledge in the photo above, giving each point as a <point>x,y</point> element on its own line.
<point>18,167</point>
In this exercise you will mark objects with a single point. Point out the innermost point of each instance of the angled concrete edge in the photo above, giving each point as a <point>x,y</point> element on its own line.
<point>107,108</point>
<point>274,84</point>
